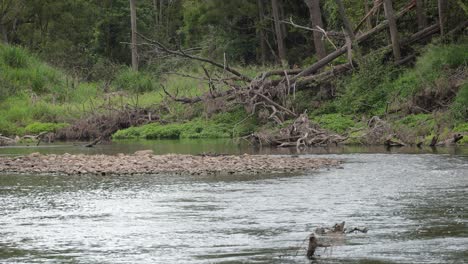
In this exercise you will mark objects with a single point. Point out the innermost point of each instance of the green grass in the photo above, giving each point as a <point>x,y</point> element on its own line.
<point>224,125</point>
<point>335,122</point>
<point>38,127</point>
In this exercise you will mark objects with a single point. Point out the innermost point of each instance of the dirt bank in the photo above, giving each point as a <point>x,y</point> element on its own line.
<point>144,162</point>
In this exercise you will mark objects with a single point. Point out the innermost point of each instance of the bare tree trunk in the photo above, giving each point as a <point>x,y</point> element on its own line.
<point>368,18</point>
<point>281,17</point>
<point>261,32</point>
<point>393,29</point>
<point>161,5</point>
<point>421,14</point>
<point>155,10</point>
<point>347,24</point>
<point>279,33</point>
<point>316,20</point>
<point>134,35</point>
<point>442,4</point>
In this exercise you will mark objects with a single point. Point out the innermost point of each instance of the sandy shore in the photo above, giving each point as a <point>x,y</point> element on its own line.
<point>144,162</point>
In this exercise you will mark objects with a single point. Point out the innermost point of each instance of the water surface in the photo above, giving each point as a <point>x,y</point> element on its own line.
<point>414,205</point>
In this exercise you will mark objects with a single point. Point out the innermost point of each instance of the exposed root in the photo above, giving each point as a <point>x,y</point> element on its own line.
<point>301,133</point>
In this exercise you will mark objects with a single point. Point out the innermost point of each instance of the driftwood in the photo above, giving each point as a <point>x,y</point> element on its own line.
<point>450,141</point>
<point>4,141</point>
<point>337,229</point>
<point>93,143</point>
<point>268,95</point>
<point>301,133</point>
<point>392,141</point>
<point>313,245</point>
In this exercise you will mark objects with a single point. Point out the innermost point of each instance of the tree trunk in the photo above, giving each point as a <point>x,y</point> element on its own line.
<point>316,20</point>
<point>347,24</point>
<point>155,11</point>
<point>442,5</point>
<point>393,29</point>
<point>134,35</point>
<point>421,14</point>
<point>161,5</point>
<point>368,18</point>
<point>261,32</point>
<point>279,33</point>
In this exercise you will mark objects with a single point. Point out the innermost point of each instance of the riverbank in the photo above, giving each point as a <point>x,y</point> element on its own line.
<point>145,162</point>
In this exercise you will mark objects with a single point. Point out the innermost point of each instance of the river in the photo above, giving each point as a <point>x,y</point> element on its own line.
<point>413,201</point>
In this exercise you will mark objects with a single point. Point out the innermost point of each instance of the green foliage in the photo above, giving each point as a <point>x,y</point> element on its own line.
<point>335,122</point>
<point>417,125</point>
<point>224,125</point>
<point>14,57</point>
<point>21,72</point>
<point>366,90</point>
<point>38,127</point>
<point>134,81</point>
<point>459,107</point>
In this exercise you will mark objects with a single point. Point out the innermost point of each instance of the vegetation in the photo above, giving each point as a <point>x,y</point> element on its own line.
<point>79,66</point>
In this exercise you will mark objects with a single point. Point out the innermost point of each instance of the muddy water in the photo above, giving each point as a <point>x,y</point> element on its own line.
<point>414,205</point>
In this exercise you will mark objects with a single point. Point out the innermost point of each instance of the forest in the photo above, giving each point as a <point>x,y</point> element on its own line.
<point>273,72</point>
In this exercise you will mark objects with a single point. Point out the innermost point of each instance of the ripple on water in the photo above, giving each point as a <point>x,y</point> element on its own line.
<point>414,207</point>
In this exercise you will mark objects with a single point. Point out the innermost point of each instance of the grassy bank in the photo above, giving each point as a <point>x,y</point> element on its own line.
<point>418,102</point>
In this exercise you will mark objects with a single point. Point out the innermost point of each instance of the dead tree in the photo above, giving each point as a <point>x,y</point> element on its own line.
<point>268,95</point>
<point>134,35</point>
<point>316,20</point>
<point>393,29</point>
<point>346,22</point>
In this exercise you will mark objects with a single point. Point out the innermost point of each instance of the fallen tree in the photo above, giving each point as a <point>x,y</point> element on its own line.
<point>268,95</point>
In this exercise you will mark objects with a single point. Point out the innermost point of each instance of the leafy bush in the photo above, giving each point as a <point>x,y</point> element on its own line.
<point>366,90</point>
<point>224,125</point>
<point>38,127</point>
<point>14,57</point>
<point>134,81</point>
<point>335,122</point>
<point>459,107</point>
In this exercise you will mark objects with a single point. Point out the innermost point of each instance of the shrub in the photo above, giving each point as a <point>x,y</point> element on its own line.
<point>335,122</point>
<point>459,108</point>
<point>14,57</point>
<point>134,81</point>
<point>366,90</point>
<point>38,127</point>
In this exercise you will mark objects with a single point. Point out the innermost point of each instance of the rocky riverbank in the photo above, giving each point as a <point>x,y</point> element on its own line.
<point>145,162</point>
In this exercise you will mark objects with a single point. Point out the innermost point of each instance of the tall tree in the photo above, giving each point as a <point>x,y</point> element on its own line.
<point>279,32</point>
<point>315,14</point>
<point>442,5</point>
<point>134,35</point>
<point>421,14</point>
<point>261,31</point>
<point>389,13</point>
<point>344,17</point>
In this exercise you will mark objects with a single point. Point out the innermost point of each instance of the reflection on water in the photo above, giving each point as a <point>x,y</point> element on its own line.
<point>225,146</point>
<point>414,206</point>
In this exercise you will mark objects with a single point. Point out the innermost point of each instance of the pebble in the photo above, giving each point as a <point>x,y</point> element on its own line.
<point>145,162</point>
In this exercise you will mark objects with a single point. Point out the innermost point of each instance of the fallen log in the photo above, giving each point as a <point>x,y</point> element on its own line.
<point>451,141</point>
<point>392,141</point>
<point>313,245</point>
<point>360,38</point>
<point>4,141</point>
<point>93,143</point>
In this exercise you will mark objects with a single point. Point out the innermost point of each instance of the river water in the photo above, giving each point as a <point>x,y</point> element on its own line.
<point>413,201</point>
